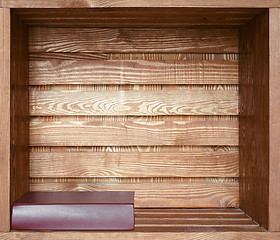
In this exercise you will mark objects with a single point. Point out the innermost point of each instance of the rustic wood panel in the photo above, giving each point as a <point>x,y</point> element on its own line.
<point>19,109</point>
<point>139,103</point>
<point>136,87</point>
<point>137,17</point>
<point>166,233</point>
<point>158,222</point>
<point>274,120</point>
<point>188,214</point>
<point>254,119</point>
<point>142,3</point>
<point>139,180</point>
<point>5,119</point>
<point>133,40</point>
<point>198,195</point>
<point>46,56</point>
<point>175,164</point>
<point>137,149</point>
<point>133,72</point>
<point>127,133</point>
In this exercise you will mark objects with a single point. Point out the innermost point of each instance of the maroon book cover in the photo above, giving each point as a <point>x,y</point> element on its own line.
<point>74,211</point>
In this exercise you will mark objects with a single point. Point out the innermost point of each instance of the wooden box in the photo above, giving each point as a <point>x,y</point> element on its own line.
<point>178,101</point>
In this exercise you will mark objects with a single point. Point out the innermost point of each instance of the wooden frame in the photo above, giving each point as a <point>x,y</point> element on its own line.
<point>259,113</point>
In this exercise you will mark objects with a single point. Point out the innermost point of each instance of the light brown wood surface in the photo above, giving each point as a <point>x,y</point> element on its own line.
<point>244,235</point>
<point>133,72</point>
<point>75,56</point>
<point>153,195</point>
<point>171,164</point>
<point>142,3</point>
<point>133,40</point>
<point>155,78</point>
<point>127,133</point>
<point>139,103</point>
<point>274,120</point>
<point>5,119</point>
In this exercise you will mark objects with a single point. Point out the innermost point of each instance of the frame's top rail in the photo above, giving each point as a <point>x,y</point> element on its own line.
<point>138,3</point>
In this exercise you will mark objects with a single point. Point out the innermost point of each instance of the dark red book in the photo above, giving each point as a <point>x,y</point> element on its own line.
<point>74,211</point>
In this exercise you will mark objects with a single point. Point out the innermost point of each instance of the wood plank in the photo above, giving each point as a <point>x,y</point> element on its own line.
<point>141,235</point>
<point>133,72</point>
<point>198,195</point>
<point>5,119</point>
<point>137,17</point>
<point>175,164</point>
<point>133,103</point>
<point>133,40</point>
<point>137,149</point>
<point>274,123</point>
<point>142,3</point>
<point>254,119</point>
<point>182,228</point>
<point>19,110</point>
<point>43,56</point>
<point>222,212</point>
<point>127,133</point>
<point>198,222</point>
<point>138,180</point>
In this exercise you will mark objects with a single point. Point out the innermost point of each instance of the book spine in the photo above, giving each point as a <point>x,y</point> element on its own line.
<point>73,217</point>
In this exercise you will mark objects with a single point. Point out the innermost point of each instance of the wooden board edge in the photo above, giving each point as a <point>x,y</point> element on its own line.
<point>274,123</point>
<point>124,235</point>
<point>5,119</point>
<point>142,3</point>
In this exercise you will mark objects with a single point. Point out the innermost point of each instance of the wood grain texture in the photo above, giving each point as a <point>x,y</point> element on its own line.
<point>133,72</point>
<point>254,119</point>
<point>74,56</point>
<point>274,122</point>
<point>191,213</point>
<point>142,3</point>
<point>150,195</point>
<point>142,235</point>
<point>19,110</point>
<point>97,133</point>
<point>134,103</point>
<point>5,119</point>
<point>175,164</point>
<point>119,180</point>
<point>137,17</point>
<point>133,40</point>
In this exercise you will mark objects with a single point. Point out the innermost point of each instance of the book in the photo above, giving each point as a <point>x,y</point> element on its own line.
<point>74,211</point>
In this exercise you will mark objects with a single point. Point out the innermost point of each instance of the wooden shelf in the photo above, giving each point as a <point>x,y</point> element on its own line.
<point>216,223</point>
<point>194,220</point>
<point>177,101</point>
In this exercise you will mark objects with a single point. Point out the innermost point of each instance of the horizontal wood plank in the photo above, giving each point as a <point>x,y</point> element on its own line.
<point>158,222</point>
<point>168,234</point>
<point>137,179</point>
<point>74,56</point>
<point>138,4</point>
<point>127,133</point>
<point>133,72</point>
<point>168,164</point>
<point>139,103</point>
<point>137,17</point>
<point>133,40</point>
<point>196,195</point>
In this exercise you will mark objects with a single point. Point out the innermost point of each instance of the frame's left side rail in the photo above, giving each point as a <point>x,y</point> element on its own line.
<point>4,119</point>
